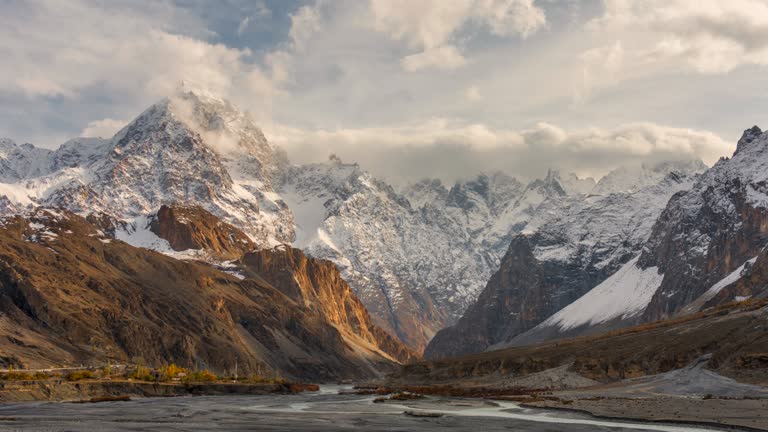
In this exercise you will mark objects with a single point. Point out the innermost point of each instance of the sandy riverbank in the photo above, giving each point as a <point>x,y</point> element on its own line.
<point>747,414</point>
<point>693,395</point>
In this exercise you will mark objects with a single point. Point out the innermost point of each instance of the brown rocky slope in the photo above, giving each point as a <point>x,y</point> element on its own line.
<point>735,335</point>
<point>70,295</point>
<point>317,284</point>
<point>192,227</point>
<point>515,299</point>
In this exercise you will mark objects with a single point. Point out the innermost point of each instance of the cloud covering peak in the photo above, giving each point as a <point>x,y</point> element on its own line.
<point>433,87</point>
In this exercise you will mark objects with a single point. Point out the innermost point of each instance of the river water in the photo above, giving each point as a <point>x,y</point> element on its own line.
<point>325,410</point>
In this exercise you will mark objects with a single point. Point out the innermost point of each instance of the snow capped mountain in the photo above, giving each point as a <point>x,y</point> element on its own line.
<point>634,178</point>
<point>18,162</point>
<point>624,295</point>
<point>414,268</point>
<point>712,229</point>
<point>566,245</point>
<point>707,239</point>
<point>575,185</point>
<point>417,257</point>
<point>196,149</point>
<point>190,149</point>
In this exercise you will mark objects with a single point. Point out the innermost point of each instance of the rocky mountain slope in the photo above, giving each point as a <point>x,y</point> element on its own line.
<point>416,257</point>
<point>733,337</point>
<point>703,244</point>
<point>194,149</point>
<point>193,228</point>
<point>70,294</point>
<point>568,246</point>
<point>415,268</point>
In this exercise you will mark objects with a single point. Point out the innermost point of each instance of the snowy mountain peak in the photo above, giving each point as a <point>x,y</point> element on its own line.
<point>550,185</point>
<point>230,129</point>
<point>629,179</point>
<point>748,137</point>
<point>221,126</point>
<point>469,194</point>
<point>6,144</point>
<point>426,191</point>
<point>573,184</point>
<point>22,161</point>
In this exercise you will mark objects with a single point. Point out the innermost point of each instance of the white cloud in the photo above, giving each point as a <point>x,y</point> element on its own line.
<point>510,17</point>
<point>432,25</point>
<point>451,150</point>
<point>261,11</point>
<point>352,63</point>
<point>545,134</point>
<point>121,50</point>
<point>444,57</point>
<point>472,94</point>
<point>601,67</point>
<point>104,128</point>
<point>710,36</point>
<point>243,25</point>
<point>304,24</point>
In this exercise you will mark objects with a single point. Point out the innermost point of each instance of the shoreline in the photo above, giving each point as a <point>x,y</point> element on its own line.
<point>645,420</point>
<point>719,414</point>
<point>87,390</point>
<point>749,414</point>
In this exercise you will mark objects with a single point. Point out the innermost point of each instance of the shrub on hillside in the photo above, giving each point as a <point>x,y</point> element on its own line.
<point>142,374</point>
<point>172,371</point>
<point>79,375</point>
<point>202,376</point>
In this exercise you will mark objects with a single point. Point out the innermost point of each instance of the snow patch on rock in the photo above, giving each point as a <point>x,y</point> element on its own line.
<point>623,295</point>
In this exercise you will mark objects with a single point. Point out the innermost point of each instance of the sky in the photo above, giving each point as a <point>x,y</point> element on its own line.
<point>407,88</point>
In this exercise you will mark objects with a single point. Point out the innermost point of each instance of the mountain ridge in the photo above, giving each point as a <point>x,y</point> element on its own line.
<point>417,257</point>
<point>703,243</point>
<point>71,294</point>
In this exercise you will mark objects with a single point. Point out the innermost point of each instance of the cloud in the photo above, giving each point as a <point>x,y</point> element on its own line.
<point>104,128</point>
<point>444,57</point>
<point>261,11</point>
<point>304,24</point>
<point>509,17</point>
<point>243,25</point>
<point>472,94</point>
<point>452,150</point>
<point>601,67</point>
<point>710,36</point>
<point>120,51</point>
<point>494,68</point>
<point>431,25</point>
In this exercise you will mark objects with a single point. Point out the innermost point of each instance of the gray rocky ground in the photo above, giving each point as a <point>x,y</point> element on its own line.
<point>326,411</point>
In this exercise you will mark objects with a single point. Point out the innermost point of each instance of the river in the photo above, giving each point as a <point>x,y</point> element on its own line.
<point>325,410</point>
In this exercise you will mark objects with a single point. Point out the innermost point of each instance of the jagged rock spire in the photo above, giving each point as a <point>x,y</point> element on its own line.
<point>747,137</point>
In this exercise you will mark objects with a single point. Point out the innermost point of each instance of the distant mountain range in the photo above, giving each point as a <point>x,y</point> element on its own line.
<point>607,268</point>
<point>490,260</point>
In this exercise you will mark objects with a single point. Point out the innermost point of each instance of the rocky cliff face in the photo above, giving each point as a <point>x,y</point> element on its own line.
<point>701,246</point>
<point>194,228</point>
<point>416,257</point>
<point>414,268</point>
<point>748,282</point>
<point>735,339</point>
<point>567,247</point>
<point>196,150</point>
<point>317,284</point>
<point>709,231</point>
<point>70,294</point>
<point>515,297</point>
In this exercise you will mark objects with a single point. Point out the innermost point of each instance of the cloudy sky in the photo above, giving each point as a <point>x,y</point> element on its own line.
<point>408,88</point>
